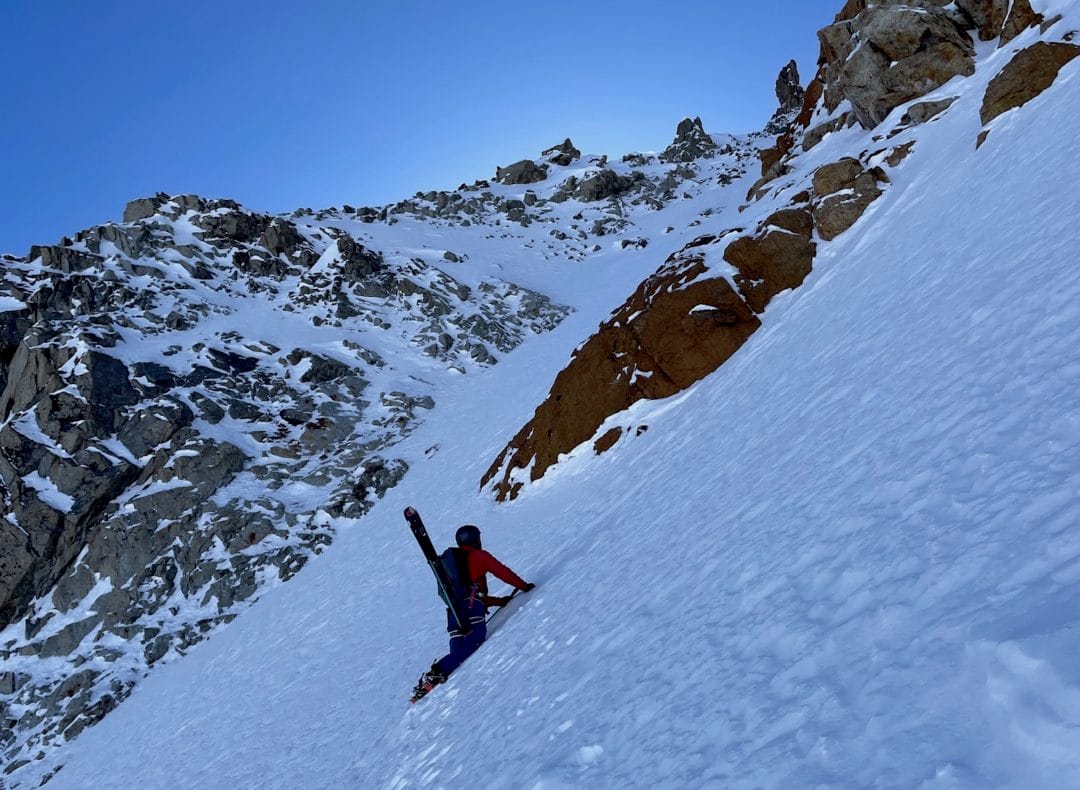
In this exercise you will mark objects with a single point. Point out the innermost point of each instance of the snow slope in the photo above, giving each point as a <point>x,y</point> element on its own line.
<point>847,558</point>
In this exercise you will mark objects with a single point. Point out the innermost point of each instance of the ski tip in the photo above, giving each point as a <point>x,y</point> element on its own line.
<point>410,512</point>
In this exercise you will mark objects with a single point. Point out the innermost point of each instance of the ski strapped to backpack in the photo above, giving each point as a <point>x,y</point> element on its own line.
<point>448,590</point>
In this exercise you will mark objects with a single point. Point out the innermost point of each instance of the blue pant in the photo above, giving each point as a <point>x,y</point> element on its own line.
<point>464,645</point>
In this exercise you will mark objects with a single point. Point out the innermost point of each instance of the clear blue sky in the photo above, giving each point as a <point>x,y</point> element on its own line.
<point>287,104</point>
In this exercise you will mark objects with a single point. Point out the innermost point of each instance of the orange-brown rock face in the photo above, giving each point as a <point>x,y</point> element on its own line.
<point>772,262</point>
<point>1029,73</point>
<point>679,326</point>
<point>675,329</point>
<point>814,92</point>
<point>843,192</point>
<point>1021,17</point>
<point>607,441</point>
<point>988,15</point>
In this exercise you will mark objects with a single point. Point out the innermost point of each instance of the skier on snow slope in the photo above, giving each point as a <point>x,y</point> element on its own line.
<point>479,563</point>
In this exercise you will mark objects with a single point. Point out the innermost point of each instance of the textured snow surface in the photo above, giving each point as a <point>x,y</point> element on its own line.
<point>848,558</point>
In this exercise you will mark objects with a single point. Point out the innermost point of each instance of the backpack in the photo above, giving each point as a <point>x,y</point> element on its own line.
<point>455,564</point>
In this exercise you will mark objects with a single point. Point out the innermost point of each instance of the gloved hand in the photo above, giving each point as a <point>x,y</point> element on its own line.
<point>528,586</point>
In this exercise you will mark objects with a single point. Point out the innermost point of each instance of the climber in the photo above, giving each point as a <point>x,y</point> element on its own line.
<point>473,564</point>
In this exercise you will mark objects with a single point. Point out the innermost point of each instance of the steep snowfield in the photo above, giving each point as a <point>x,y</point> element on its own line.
<point>847,558</point>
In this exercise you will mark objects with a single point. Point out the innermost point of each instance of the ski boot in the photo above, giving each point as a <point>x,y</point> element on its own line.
<point>429,680</point>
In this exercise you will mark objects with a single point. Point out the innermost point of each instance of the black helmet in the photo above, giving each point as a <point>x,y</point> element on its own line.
<point>468,535</point>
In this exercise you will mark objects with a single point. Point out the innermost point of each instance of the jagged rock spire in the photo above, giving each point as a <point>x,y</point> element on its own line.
<point>789,90</point>
<point>562,154</point>
<point>691,142</point>
<point>790,94</point>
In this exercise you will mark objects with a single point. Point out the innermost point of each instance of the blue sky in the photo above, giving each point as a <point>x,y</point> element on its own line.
<point>285,104</point>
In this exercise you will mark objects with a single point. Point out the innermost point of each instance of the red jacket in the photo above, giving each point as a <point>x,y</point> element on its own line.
<point>482,563</point>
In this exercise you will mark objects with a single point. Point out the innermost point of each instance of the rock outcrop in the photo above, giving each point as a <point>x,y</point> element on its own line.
<point>878,56</point>
<point>843,191</point>
<point>691,142</point>
<point>678,327</point>
<point>1021,17</point>
<point>605,184</point>
<point>777,258</point>
<point>789,90</point>
<point>1028,74</point>
<point>987,15</point>
<point>790,95</point>
<point>562,154</point>
<point>524,172</point>
<point>890,53</point>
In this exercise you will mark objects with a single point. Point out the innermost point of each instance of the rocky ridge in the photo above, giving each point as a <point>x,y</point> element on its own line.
<point>186,400</point>
<point>881,67</point>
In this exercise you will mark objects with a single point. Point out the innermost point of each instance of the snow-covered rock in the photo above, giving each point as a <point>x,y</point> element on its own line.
<point>188,398</point>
